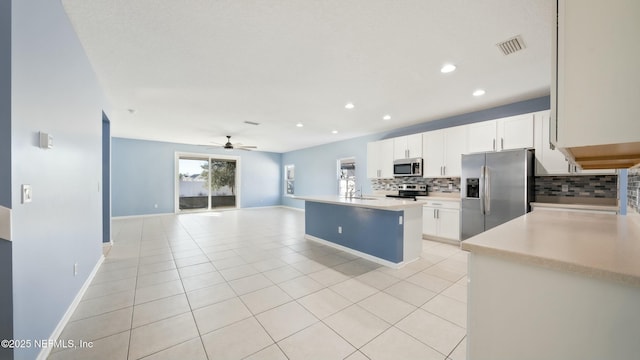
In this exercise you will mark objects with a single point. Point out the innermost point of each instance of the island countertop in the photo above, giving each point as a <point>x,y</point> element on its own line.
<point>604,246</point>
<point>372,202</point>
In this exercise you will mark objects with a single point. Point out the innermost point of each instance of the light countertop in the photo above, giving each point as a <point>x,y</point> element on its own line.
<point>604,246</point>
<point>373,202</point>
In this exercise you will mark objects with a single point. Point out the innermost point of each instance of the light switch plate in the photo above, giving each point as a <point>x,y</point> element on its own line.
<point>27,194</point>
<point>46,141</point>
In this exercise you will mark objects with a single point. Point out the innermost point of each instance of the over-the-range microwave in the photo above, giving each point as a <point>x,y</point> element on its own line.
<point>407,167</point>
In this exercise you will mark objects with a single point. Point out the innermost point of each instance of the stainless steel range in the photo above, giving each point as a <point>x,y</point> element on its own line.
<point>410,191</point>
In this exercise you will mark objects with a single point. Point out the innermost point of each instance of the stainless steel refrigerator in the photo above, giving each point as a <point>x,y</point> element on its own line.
<point>495,188</point>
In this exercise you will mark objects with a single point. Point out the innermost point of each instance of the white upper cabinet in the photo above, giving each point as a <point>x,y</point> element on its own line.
<point>380,159</point>
<point>595,91</point>
<point>514,132</point>
<point>405,147</point>
<point>433,149</point>
<point>552,161</point>
<point>548,161</point>
<point>455,146</point>
<point>482,136</point>
<point>443,151</point>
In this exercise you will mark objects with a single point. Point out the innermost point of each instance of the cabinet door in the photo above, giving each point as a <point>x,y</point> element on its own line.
<point>414,145</point>
<point>550,161</point>
<point>455,140</point>
<point>449,224</point>
<point>386,159</point>
<point>373,160</point>
<point>400,148</point>
<point>597,89</point>
<point>482,136</point>
<point>429,221</point>
<point>433,144</point>
<point>515,132</point>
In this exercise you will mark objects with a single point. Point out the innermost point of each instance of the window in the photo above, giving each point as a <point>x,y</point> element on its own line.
<point>346,176</point>
<point>289,180</point>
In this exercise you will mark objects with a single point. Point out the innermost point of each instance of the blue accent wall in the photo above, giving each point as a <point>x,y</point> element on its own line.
<point>54,90</point>
<point>144,174</point>
<point>6,259</point>
<point>5,104</point>
<point>315,167</point>
<point>371,231</point>
<point>106,179</point>
<point>623,189</point>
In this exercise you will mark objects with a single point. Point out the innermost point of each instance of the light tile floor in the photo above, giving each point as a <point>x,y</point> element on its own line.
<point>245,284</point>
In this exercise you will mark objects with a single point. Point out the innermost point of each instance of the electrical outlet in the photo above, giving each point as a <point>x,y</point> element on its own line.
<point>450,186</point>
<point>565,188</point>
<point>339,229</point>
<point>75,269</point>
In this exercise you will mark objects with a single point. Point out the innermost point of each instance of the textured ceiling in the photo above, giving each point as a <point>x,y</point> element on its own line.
<point>196,70</point>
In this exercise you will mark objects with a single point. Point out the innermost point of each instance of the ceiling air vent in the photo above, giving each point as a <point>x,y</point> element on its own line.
<point>251,123</point>
<point>512,45</point>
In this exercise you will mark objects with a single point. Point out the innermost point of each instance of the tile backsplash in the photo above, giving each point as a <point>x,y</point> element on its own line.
<point>597,186</point>
<point>433,184</point>
<point>633,189</point>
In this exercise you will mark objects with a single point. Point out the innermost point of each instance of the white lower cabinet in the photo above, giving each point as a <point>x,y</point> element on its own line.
<point>441,219</point>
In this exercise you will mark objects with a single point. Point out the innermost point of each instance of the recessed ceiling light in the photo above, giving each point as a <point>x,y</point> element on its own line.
<point>334,131</point>
<point>299,125</point>
<point>447,68</point>
<point>386,117</point>
<point>478,92</point>
<point>349,106</point>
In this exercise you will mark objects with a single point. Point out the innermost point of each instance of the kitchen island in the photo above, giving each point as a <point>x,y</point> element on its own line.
<point>555,285</point>
<point>383,230</point>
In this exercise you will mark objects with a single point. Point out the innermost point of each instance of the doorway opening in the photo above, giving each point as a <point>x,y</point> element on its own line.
<point>206,182</point>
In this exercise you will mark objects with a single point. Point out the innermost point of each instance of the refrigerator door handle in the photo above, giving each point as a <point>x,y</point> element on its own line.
<point>487,191</point>
<point>481,189</point>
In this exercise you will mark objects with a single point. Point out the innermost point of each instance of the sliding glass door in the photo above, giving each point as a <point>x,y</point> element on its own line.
<point>206,183</point>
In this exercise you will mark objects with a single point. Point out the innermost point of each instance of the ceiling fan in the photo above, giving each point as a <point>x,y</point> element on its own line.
<point>237,146</point>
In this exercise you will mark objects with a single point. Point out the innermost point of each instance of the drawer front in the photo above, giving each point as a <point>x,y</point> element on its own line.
<point>442,204</point>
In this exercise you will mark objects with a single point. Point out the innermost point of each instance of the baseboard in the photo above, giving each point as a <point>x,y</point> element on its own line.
<point>44,353</point>
<point>375,259</point>
<point>140,216</point>
<point>291,208</point>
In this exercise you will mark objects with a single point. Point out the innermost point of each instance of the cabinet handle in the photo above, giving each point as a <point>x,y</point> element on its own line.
<point>434,214</point>
<point>444,170</point>
<point>501,143</point>
<point>437,213</point>
<point>494,144</point>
